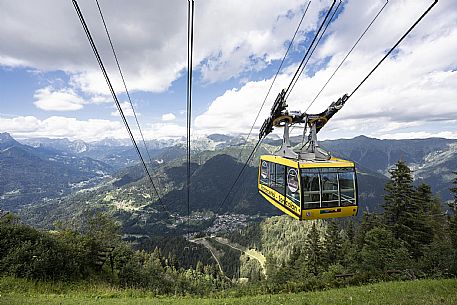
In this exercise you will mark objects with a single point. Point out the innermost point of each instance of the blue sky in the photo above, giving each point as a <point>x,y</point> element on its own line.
<point>51,86</point>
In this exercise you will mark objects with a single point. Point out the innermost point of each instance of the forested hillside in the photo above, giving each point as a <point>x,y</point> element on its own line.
<point>413,238</point>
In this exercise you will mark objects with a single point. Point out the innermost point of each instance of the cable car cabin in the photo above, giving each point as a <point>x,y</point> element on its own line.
<point>309,190</point>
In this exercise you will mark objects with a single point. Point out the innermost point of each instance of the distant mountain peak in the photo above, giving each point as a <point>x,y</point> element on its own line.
<point>5,137</point>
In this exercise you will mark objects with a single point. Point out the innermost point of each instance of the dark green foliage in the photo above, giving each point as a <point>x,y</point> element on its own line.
<point>250,237</point>
<point>313,251</point>
<point>414,238</point>
<point>179,252</point>
<point>405,212</point>
<point>453,190</point>
<point>332,246</point>
<point>26,252</point>
<point>68,255</point>
<point>382,251</point>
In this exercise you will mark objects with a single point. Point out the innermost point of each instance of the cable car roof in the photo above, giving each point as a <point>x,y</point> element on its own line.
<point>333,162</point>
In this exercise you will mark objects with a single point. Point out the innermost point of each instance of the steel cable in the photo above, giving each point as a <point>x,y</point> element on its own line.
<point>123,81</point>
<point>314,48</point>
<point>190,43</point>
<point>113,93</point>
<point>347,55</point>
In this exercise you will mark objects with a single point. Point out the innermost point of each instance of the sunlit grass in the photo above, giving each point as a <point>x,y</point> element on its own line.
<point>15,291</point>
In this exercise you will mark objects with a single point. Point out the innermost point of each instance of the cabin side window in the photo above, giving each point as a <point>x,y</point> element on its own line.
<point>271,174</point>
<point>264,173</point>
<point>310,184</point>
<point>292,189</point>
<point>328,187</point>
<point>347,186</point>
<point>330,191</point>
<point>279,178</point>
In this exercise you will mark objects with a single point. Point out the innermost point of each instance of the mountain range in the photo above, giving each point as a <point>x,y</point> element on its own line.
<point>51,180</point>
<point>31,174</point>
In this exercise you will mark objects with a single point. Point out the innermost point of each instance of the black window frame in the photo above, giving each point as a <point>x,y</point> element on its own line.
<point>319,172</point>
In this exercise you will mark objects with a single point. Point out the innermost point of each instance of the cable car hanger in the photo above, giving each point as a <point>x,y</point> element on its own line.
<point>281,117</point>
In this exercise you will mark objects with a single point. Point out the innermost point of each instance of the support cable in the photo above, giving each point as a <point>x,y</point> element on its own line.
<point>190,44</point>
<point>377,65</point>
<point>310,46</point>
<point>123,81</point>
<point>258,113</point>
<point>239,174</point>
<point>113,93</point>
<point>276,75</point>
<point>314,48</point>
<point>393,48</point>
<point>347,55</point>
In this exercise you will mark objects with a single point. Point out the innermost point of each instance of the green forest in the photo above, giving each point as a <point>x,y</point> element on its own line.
<point>413,238</point>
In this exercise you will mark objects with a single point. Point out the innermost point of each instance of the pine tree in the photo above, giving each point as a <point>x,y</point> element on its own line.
<point>453,219</point>
<point>332,247</point>
<point>404,213</point>
<point>313,251</point>
<point>453,190</point>
<point>350,232</point>
<point>369,221</point>
<point>424,197</point>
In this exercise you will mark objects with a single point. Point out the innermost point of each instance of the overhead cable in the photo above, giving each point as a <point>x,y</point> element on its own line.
<point>113,93</point>
<point>395,46</point>
<point>310,46</point>
<point>312,52</point>
<point>258,113</point>
<point>190,44</point>
<point>123,81</point>
<point>239,174</point>
<point>347,55</point>
<point>277,73</point>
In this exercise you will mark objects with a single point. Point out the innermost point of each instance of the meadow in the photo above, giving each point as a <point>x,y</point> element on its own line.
<point>18,291</point>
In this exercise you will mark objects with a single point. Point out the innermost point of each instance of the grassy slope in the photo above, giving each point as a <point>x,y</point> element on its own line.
<point>14,291</point>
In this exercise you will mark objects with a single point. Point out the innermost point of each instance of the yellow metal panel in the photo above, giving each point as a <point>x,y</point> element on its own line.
<point>276,199</point>
<point>333,162</point>
<point>323,213</point>
<point>279,206</point>
<point>280,160</point>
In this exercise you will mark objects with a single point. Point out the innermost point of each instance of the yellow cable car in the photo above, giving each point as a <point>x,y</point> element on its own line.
<point>308,183</point>
<point>306,190</point>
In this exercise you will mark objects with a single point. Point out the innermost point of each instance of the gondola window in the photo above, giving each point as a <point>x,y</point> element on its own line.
<point>279,178</point>
<point>347,187</point>
<point>292,189</point>
<point>311,189</point>
<point>329,182</point>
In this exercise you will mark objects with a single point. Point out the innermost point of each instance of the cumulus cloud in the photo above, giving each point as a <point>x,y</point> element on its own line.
<point>126,109</point>
<point>411,89</point>
<point>50,99</point>
<point>62,127</point>
<point>168,117</point>
<point>87,130</point>
<point>150,39</point>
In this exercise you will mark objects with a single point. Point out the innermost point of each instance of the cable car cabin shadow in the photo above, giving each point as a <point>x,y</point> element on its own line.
<point>309,190</point>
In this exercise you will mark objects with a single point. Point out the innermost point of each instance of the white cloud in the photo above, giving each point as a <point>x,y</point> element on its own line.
<point>62,127</point>
<point>150,39</point>
<point>101,99</point>
<point>50,99</point>
<point>168,117</point>
<point>234,36</point>
<point>411,89</point>
<point>164,130</point>
<point>126,109</point>
<point>87,130</point>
